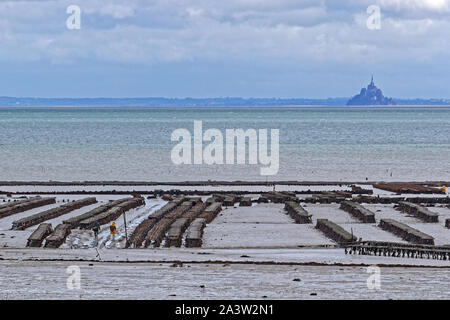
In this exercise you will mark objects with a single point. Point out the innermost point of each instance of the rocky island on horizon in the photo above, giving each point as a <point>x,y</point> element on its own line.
<point>370,96</point>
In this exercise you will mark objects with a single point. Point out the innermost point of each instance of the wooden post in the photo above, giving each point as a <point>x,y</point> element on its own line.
<point>125,223</point>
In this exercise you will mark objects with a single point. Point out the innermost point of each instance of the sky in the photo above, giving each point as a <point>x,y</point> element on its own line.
<point>227,48</point>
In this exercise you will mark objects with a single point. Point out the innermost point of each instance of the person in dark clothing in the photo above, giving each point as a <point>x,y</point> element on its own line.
<point>96,229</point>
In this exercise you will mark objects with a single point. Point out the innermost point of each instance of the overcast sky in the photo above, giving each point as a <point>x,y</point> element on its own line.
<point>216,48</point>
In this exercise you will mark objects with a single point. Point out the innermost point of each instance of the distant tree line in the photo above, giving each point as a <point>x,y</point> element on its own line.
<point>197,102</point>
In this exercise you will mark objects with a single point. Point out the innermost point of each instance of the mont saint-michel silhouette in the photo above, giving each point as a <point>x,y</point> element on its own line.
<point>370,96</point>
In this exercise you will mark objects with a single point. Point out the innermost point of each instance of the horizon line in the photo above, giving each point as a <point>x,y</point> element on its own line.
<point>206,98</point>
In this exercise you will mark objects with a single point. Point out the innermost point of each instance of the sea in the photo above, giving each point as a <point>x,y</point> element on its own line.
<point>134,144</point>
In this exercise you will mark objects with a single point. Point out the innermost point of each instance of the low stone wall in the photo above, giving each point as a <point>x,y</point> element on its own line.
<point>141,231</point>
<point>408,188</point>
<point>211,212</point>
<point>112,213</point>
<point>157,232</point>
<point>418,211</point>
<point>197,209</point>
<point>230,200</point>
<point>23,206</point>
<point>359,190</point>
<point>75,221</point>
<point>13,203</point>
<point>139,234</point>
<point>388,200</point>
<point>406,232</point>
<point>38,236</point>
<point>263,199</point>
<point>328,197</point>
<point>297,212</point>
<point>280,197</point>
<point>176,230</point>
<point>58,236</point>
<point>245,202</point>
<point>358,211</point>
<point>335,232</point>
<point>210,201</point>
<point>194,233</point>
<point>51,213</point>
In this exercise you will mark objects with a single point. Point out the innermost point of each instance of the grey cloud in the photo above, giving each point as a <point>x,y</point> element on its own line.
<point>149,32</point>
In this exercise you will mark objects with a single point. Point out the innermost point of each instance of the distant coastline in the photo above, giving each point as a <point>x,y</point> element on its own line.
<point>198,102</point>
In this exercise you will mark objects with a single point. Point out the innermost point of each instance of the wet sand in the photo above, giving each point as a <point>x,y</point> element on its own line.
<point>47,280</point>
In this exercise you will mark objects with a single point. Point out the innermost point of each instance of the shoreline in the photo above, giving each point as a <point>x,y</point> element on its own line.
<point>235,256</point>
<point>308,106</point>
<point>211,183</point>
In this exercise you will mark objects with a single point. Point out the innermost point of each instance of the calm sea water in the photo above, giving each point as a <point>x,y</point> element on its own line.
<point>319,143</point>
